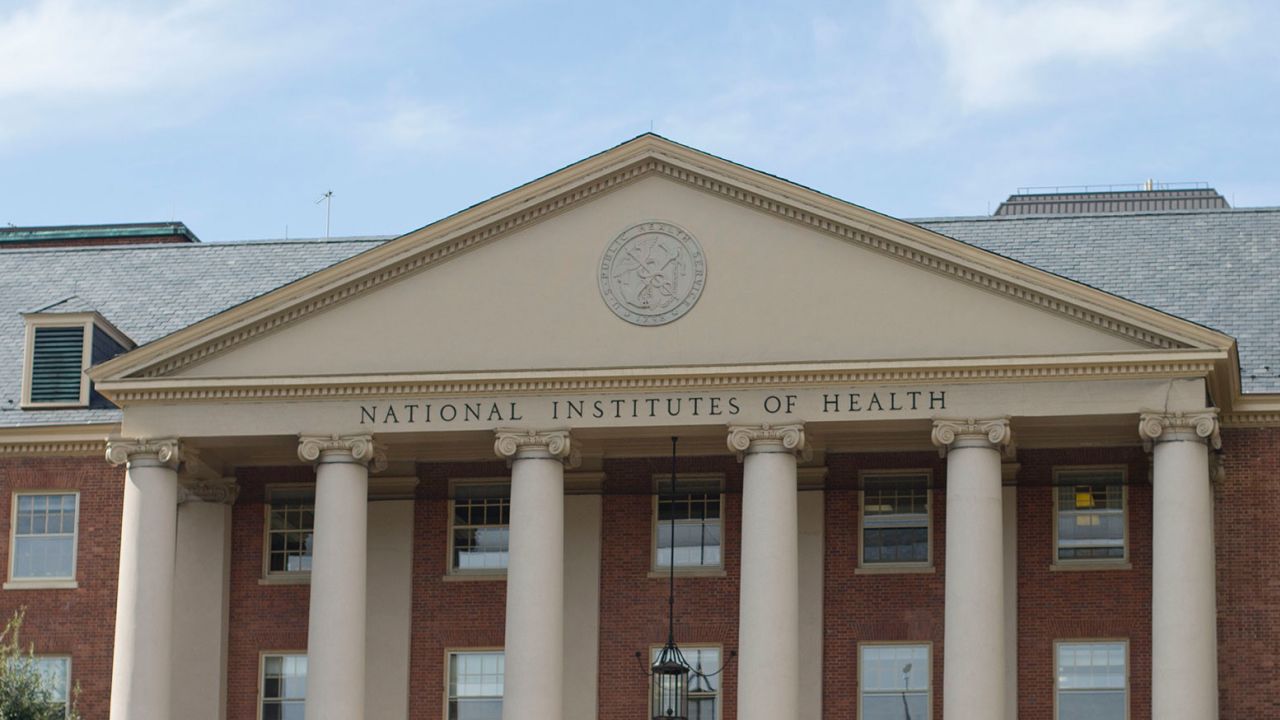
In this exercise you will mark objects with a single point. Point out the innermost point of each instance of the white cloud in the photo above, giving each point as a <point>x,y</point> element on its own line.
<point>999,53</point>
<point>117,62</point>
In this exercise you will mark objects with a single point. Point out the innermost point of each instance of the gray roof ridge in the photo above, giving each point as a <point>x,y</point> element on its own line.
<point>64,301</point>
<point>1062,216</point>
<point>198,246</point>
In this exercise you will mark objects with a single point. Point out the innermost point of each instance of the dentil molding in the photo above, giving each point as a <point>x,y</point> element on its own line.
<point>1201,425</point>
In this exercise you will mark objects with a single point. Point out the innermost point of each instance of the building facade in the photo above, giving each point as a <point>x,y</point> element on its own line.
<point>1019,466</point>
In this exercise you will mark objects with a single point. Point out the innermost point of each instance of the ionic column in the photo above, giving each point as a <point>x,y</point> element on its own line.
<point>973,673</point>
<point>336,624</point>
<point>769,591</point>
<point>202,594</point>
<point>1184,638</point>
<point>141,667</point>
<point>534,646</point>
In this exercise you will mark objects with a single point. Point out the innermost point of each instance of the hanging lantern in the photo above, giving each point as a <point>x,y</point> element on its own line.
<point>670,685</point>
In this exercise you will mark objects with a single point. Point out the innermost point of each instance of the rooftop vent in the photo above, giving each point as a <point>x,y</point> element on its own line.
<point>1093,199</point>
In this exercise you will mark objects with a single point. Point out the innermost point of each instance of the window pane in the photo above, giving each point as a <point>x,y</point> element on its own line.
<point>891,707</point>
<point>284,687</point>
<point>290,526</point>
<point>895,545</point>
<point>893,668</point>
<point>43,557</point>
<point>53,676</point>
<point>1091,705</point>
<point>481,537</point>
<point>696,516</point>
<point>895,519</point>
<point>1091,666</point>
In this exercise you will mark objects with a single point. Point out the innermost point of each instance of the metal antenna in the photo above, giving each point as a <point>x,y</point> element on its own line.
<point>327,199</point>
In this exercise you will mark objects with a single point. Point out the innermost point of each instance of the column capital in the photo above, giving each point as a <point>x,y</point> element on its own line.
<point>548,445</point>
<point>155,452</point>
<point>993,434</point>
<point>1197,426</point>
<point>222,491</point>
<point>358,449</point>
<point>748,439</point>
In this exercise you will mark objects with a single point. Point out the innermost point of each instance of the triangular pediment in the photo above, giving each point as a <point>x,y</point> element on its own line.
<point>780,274</point>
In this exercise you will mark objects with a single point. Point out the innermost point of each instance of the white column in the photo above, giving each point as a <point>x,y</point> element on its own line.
<point>973,672</point>
<point>336,624</point>
<point>141,668</point>
<point>769,591</point>
<point>202,594</point>
<point>1184,639</point>
<point>534,646</point>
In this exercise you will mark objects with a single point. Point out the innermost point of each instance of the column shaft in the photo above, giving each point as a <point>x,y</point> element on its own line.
<point>973,675</point>
<point>141,667</point>
<point>769,594</point>
<point>336,624</point>
<point>1184,644</point>
<point>534,644</point>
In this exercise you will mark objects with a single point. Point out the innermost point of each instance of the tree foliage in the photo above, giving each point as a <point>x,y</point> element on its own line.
<point>24,692</point>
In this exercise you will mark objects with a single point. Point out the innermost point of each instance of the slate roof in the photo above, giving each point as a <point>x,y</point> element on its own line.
<point>1219,268</point>
<point>146,291</point>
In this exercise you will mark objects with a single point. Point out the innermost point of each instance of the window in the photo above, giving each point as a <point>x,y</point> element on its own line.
<point>291,517</point>
<point>44,536</point>
<point>696,511</point>
<point>1090,514</point>
<point>62,341</point>
<point>704,692</point>
<point>475,685</point>
<point>1093,681</point>
<point>284,686</point>
<point>895,519</point>
<point>893,682</point>
<point>54,673</point>
<point>481,516</point>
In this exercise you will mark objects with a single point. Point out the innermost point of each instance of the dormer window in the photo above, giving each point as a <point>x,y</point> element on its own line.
<point>62,341</point>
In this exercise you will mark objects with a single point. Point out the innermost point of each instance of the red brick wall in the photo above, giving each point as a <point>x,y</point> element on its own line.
<point>79,622</point>
<point>1247,523</point>
<point>1086,604</point>
<point>447,614</point>
<point>873,608</point>
<point>262,617</point>
<point>633,606</point>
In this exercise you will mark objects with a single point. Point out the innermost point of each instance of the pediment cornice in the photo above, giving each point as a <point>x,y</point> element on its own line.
<point>645,157</point>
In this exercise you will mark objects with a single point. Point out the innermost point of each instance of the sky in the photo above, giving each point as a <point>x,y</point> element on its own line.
<point>236,116</point>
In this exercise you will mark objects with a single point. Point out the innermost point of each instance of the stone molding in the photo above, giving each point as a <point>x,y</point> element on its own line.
<point>747,439</point>
<point>222,491</point>
<point>994,434</point>
<point>361,449</point>
<point>1200,426</point>
<point>163,451</point>
<point>514,445</point>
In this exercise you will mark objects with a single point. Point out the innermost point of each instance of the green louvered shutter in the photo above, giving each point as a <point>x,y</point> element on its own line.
<point>56,364</point>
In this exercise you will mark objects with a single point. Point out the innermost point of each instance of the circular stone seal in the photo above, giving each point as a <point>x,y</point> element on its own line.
<point>652,273</point>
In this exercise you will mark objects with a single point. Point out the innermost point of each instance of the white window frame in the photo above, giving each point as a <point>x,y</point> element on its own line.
<point>662,484</point>
<point>484,650</point>
<point>655,649</point>
<point>927,645</point>
<point>262,673</point>
<point>87,320</point>
<point>1120,563</point>
<point>865,567</point>
<point>66,707</point>
<point>282,576</point>
<point>474,573</point>
<point>1128,683</point>
<point>39,583</point>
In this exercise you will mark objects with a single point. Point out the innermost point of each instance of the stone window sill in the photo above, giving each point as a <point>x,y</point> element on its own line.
<point>41,585</point>
<point>297,579</point>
